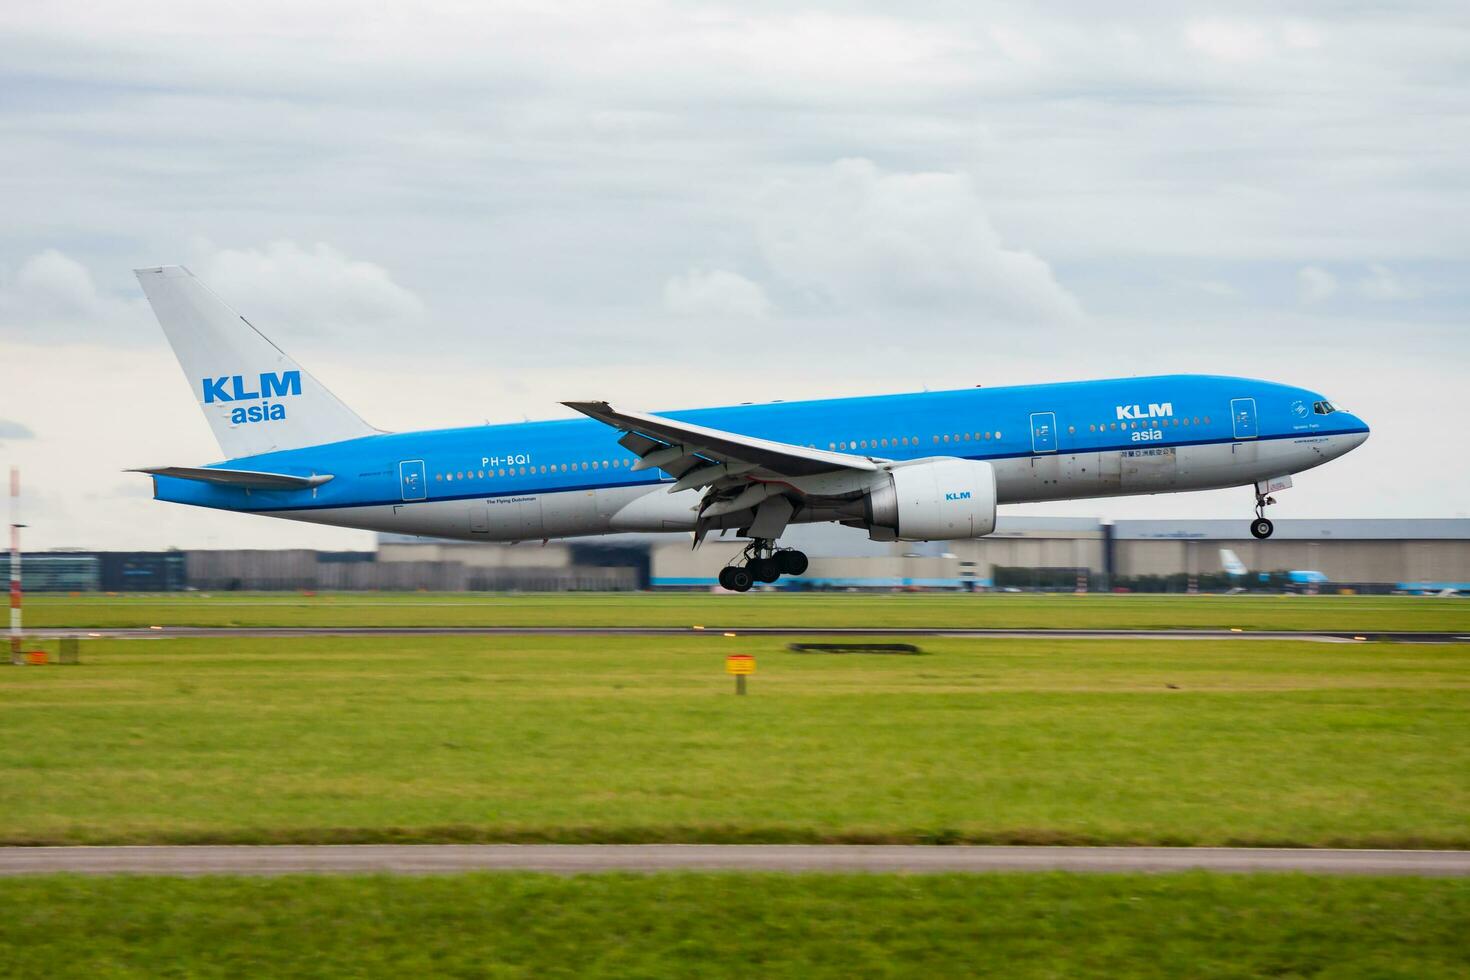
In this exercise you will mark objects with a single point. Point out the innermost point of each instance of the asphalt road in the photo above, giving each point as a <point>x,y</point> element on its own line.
<point>600,858</point>
<point>1318,636</point>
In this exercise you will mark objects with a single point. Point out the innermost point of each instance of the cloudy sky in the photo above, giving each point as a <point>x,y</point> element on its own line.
<point>459,212</point>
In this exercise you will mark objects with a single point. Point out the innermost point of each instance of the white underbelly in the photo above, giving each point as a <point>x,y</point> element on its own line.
<point>1161,469</point>
<point>516,517</point>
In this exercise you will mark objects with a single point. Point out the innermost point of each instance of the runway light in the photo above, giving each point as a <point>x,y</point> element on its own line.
<point>1236,629</point>
<point>94,634</point>
<point>729,634</point>
<point>697,627</point>
<point>1360,637</point>
<point>155,627</point>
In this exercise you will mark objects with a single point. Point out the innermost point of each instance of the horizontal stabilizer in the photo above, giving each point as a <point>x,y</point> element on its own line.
<point>249,479</point>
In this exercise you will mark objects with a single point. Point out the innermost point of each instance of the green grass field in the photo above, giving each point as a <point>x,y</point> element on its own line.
<point>1265,612</point>
<point>633,739</point>
<point>736,925</point>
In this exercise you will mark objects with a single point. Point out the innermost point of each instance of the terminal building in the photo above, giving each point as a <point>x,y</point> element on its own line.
<point>1055,553</point>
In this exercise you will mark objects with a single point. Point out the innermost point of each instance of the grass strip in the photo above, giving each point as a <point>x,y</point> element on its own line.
<point>539,739</point>
<point>717,925</point>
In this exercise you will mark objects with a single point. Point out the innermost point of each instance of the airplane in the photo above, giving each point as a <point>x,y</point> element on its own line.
<point>1236,569</point>
<point>931,466</point>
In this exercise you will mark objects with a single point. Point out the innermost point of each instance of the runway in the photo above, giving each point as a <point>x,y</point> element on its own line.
<point>419,859</point>
<point>1315,636</point>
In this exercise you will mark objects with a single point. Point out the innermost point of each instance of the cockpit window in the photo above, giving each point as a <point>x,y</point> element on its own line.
<point>1324,408</point>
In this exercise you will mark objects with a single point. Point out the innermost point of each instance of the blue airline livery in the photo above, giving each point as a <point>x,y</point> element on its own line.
<point>928,466</point>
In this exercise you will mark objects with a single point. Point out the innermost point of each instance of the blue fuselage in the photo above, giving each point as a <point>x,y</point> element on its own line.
<point>1099,421</point>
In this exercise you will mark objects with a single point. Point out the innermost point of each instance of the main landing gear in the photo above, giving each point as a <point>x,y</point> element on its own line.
<point>762,562</point>
<point>1262,527</point>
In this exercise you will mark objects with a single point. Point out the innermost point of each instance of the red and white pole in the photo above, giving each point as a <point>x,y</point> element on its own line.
<point>15,526</point>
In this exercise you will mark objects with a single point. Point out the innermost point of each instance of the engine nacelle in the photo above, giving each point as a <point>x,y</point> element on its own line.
<point>933,500</point>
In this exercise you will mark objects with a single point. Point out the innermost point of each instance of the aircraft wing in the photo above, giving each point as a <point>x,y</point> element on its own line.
<point>677,447</point>
<point>249,479</point>
<point>755,483</point>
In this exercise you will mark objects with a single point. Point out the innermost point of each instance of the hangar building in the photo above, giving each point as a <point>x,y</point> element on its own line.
<point>1051,552</point>
<point>1039,552</point>
<point>1063,553</point>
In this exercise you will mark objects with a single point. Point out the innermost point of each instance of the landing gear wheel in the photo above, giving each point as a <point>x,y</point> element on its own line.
<point>1261,528</point>
<point>791,562</point>
<point>764,569</point>
<point>762,563</point>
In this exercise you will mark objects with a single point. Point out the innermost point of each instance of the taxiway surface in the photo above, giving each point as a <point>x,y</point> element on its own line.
<point>601,858</point>
<point>1317,636</point>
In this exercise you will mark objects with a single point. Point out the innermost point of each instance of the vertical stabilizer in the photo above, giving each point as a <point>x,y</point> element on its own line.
<point>1233,565</point>
<point>256,398</point>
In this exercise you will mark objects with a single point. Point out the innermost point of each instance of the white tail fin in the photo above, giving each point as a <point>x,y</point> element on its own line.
<point>1233,565</point>
<point>256,398</point>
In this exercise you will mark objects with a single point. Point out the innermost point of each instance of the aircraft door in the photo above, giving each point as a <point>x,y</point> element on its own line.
<point>411,481</point>
<point>1043,432</point>
<point>529,519</point>
<point>1243,417</point>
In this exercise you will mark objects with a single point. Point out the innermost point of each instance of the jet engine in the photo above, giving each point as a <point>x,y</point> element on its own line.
<point>933,500</point>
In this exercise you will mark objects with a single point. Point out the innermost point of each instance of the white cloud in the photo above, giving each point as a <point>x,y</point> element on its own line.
<point>53,297</point>
<point>14,430</point>
<point>1215,287</point>
<point>319,290</point>
<point>854,237</point>
<point>1301,35</point>
<point>785,54</point>
<point>1223,40</point>
<point>716,293</point>
<point>314,290</point>
<point>1384,285</point>
<point>1016,45</point>
<point>53,281</point>
<point>1314,284</point>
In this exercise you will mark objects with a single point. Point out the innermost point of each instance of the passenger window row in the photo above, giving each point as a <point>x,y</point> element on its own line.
<point>893,443</point>
<point>896,443</point>
<point>1143,424</point>
<point>965,437</point>
<point>493,472</point>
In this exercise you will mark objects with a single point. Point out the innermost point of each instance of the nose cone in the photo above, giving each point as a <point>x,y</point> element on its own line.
<point>1358,432</point>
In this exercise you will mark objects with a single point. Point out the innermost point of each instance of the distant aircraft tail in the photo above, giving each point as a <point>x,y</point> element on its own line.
<point>1233,565</point>
<point>256,398</point>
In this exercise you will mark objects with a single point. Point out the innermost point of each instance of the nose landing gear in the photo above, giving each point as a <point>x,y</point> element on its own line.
<point>762,563</point>
<point>1262,527</point>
